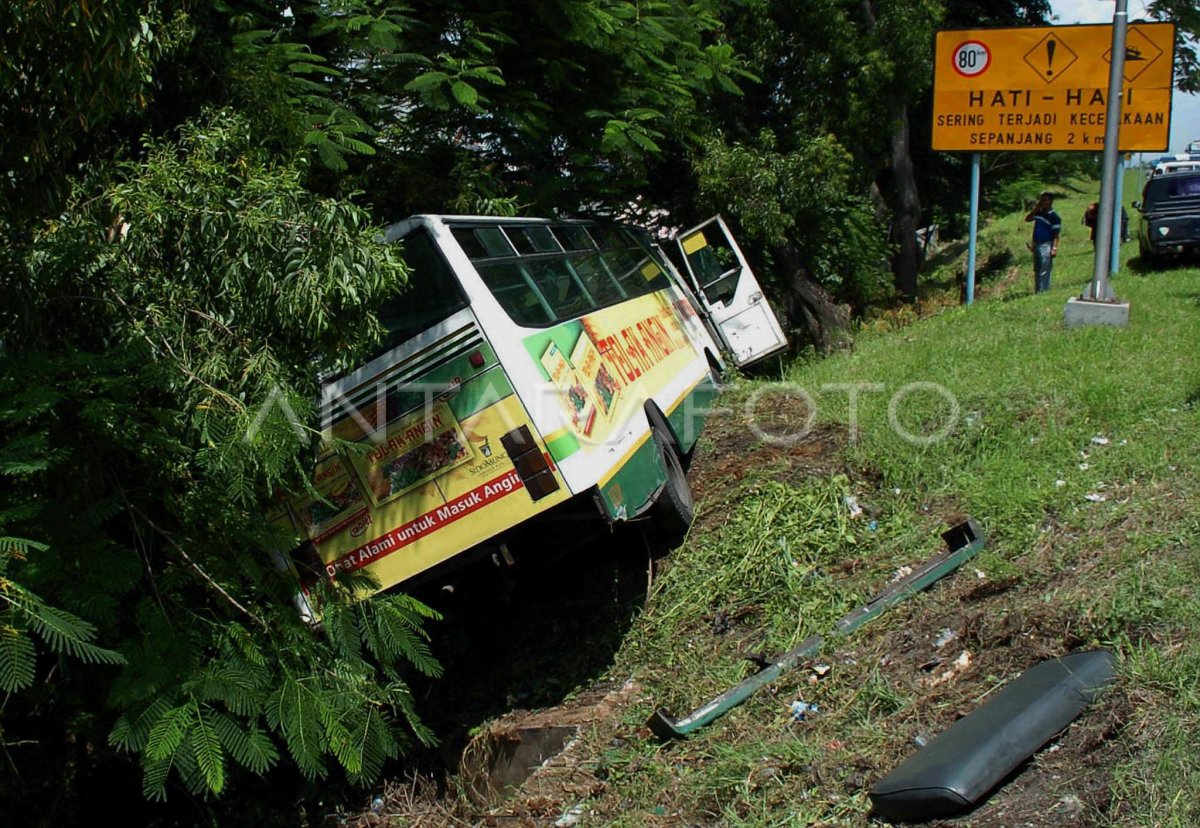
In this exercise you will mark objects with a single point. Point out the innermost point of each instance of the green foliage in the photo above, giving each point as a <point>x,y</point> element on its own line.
<point>1186,17</point>
<point>802,197</point>
<point>24,615</point>
<point>69,70</point>
<point>1020,177</point>
<point>292,80</point>
<point>156,327</point>
<point>564,105</point>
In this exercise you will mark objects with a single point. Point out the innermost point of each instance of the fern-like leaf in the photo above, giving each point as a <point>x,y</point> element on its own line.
<point>19,547</point>
<point>62,631</point>
<point>154,780</point>
<point>401,697</point>
<point>132,729</point>
<point>392,632</point>
<point>296,713</point>
<point>17,659</point>
<point>250,748</point>
<point>168,733</point>
<point>206,748</point>
<point>235,685</point>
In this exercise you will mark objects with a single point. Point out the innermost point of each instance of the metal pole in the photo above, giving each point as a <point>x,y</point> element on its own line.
<point>1099,288</point>
<point>974,232</point>
<point>1115,262</point>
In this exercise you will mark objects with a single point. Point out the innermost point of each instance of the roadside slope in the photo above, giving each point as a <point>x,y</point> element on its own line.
<point>1078,452</point>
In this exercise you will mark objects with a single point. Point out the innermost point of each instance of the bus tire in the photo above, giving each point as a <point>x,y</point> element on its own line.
<point>674,510</point>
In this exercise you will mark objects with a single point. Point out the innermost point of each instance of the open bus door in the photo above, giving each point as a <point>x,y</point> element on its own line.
<point>729,293</point>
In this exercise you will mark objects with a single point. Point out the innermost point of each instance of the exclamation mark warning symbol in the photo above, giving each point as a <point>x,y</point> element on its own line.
<point>1050,58</point>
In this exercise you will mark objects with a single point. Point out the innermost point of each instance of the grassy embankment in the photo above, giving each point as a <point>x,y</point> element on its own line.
<point>1078,451</point>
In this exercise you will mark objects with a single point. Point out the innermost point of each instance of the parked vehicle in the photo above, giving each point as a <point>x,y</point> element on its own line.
<point>531,365</point>
<point>1169,215</point>
<point>1175,165</point>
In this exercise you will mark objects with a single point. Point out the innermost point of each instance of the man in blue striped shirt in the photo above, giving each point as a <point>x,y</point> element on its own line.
<point>1046,226</point>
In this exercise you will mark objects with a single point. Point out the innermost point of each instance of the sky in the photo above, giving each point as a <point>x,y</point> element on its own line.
<point>1185,109</point>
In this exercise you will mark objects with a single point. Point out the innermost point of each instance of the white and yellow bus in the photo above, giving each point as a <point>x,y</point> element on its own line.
<point>528,363</point>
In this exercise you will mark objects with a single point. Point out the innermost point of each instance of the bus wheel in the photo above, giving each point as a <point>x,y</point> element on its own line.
<point>674,510</point>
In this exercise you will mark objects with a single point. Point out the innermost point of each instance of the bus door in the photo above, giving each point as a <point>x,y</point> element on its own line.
<point>729,293</point>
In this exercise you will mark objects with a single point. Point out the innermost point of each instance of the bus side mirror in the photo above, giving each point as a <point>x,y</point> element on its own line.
<point>1137,205</point>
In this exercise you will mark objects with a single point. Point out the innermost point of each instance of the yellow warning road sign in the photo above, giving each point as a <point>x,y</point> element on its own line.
<point>1046,88</point>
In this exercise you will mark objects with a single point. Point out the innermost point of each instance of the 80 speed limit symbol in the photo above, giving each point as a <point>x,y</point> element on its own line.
<point>971,58</point>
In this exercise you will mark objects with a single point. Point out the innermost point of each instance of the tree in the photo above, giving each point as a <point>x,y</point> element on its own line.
<point>1186,16</point>
<point>170,300</point>
<point>172,297</point>
<point>549,106</point>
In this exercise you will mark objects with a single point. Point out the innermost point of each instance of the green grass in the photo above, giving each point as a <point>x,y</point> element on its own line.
<point>1020,400</point>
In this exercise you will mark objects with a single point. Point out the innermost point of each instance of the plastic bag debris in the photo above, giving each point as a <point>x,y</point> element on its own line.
<point>945,637</point>
<point>570,818</point>
<point>963,662</point>
<point>801,710</point>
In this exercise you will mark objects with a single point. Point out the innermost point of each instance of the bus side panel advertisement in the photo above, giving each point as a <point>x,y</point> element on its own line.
<point>642,343</point>
<point>340,504</point>
<point>417,521</point>
<point>409,490</point>
<point>417,448</point>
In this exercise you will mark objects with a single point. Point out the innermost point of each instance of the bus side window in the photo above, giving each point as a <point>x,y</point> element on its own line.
<point>516,293</point>
<point>562,289</point>
<point>600,283</point>
<point>482,242</point>
<point>637,272</point>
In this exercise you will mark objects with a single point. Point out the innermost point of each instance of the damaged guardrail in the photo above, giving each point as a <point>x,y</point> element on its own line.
<point>963,542</point>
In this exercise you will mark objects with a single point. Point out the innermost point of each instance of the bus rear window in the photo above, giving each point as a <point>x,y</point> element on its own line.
<point>432,292</point>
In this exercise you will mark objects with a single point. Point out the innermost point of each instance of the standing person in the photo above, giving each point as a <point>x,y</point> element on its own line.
<point>1046,226</point>
<point>1089,219</point>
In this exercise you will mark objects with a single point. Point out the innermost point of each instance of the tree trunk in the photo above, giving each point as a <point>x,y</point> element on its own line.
<point>815,319</point>
<point>907,217</point>
<point>908,209</point>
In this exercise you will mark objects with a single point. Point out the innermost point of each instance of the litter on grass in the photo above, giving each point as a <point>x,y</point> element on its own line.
<point>962,663</point>
<point>802,709</point>
<point>570,818</point>
<point>945,637</point>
